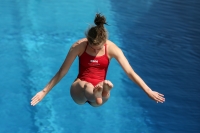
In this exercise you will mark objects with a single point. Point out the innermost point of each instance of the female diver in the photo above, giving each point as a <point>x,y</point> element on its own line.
<point>94,53</point>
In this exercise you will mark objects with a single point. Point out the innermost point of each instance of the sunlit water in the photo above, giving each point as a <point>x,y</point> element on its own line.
<point>160,40</point>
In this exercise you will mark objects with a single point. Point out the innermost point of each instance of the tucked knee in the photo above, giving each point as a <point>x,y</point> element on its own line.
<point>88,85</point>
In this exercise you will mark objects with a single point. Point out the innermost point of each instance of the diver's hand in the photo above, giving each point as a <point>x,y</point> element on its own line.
<point>38,97</point>
<point>158,97</point>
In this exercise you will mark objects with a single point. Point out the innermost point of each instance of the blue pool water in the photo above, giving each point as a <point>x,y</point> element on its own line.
<point>159,38</point>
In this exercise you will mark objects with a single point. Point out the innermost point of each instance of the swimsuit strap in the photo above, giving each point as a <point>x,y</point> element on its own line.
<point>105,49</point>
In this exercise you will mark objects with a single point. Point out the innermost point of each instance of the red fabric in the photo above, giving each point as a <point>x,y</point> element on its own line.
<point>93,69</point>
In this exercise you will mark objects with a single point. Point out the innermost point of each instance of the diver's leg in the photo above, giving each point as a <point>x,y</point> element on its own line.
<point>107,86</point>
<point>82,91</point>
<point>77,91</point>
<point>101,93</point>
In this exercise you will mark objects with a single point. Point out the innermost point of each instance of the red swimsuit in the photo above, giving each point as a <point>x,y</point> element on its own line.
<point>93,69</point>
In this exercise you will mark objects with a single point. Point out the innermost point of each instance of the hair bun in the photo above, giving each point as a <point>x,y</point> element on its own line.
<point>100,20</point>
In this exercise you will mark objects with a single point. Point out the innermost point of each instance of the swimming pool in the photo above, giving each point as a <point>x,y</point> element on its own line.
<point>160,39</point>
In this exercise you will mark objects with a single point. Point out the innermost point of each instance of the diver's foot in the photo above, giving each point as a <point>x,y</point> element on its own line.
<point>98,89</point>
<point>107,86</point>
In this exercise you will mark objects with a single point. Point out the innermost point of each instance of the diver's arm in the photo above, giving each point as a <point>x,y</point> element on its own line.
<point>119,56</point>
<point>73,52</point>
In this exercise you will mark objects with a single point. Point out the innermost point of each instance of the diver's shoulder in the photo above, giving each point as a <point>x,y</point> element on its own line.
<point>80,43</point>
<point>83,40</point>
<point>111,44</point>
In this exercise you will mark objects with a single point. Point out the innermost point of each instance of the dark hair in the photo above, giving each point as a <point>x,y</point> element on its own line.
<point>97,34</point>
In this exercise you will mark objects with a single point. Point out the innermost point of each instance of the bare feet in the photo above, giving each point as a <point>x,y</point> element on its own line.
<point>107,86</point>
<point>102,90</point>
<point>98,93</point>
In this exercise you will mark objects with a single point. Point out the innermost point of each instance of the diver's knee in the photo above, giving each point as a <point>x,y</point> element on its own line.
<point>88,85</point>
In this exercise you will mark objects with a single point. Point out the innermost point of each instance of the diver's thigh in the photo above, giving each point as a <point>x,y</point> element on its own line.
<point>77,91</point>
